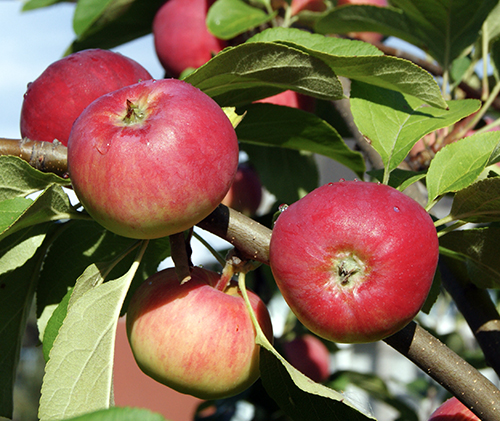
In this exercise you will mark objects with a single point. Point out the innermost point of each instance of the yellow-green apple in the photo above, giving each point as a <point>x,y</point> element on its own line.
<point>308,354</point>
<point>245,194</point>
<point>181,36</point>
<point>453,410</point>
<point>152,159</point>
<point>354,260</point>
<point>365,36</point>
<point>58,96</point>
<point>196,337</point>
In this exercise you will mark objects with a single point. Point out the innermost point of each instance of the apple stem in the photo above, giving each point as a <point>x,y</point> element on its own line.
<point>134,114</point>
<point>180,251</point>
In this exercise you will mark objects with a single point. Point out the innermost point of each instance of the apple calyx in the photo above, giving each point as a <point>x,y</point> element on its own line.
<point>348,270</point>
<point>134,114</point>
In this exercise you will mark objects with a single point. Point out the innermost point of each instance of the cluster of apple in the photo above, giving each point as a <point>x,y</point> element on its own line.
<point>152,158</point>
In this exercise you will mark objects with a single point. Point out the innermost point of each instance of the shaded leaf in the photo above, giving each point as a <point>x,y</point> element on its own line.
<point>360,61</point>
<point>118,23</point>
<point>399,179</point>
<point>459,164</point>
<point>51,205</point>
<point>17,288</point>
<point>19,179</point>
<point>249,72</point>
<point>228,18</point>
<point>286,127</point>
<point>376,387</point>
<point>479,248</point>
<point>287,174</point>
<point>444,29</point>
<point>478,203</point>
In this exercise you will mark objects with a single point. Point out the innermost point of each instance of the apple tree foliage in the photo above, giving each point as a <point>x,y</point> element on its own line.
<point>79,276</point>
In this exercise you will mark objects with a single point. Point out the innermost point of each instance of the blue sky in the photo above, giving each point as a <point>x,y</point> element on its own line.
<point>31,41</point>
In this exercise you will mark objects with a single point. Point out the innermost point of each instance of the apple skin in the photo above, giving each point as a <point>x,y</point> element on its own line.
<point>181,37</point>
<point>159,172</point>
<point>58,96</point>
<point>245,194</point>
<point>193,337</point>
<point>354,260</point>
<point>309,355</point>
<point>372,37</point>
<point>453,410</point>
<point>292,99</point>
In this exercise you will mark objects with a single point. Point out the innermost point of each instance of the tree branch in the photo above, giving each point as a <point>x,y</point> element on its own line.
<point>44,156</point>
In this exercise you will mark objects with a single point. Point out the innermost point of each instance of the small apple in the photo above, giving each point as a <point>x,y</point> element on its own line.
<point>372,37</point>
<point>58,96</point>
<point>152,159</point>
<point>196,337</point>
<point>245,194</point>
<point>292,99</point>
<point>453,410</point>
<point>354,260</point>
<point>181,37</point>
<point>311,5</point>
<point>309,355</point>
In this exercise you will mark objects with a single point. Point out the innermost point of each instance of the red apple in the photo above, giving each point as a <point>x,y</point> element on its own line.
<point>196,337</point>
<point>245,194</point>
<point>58,96</point>
<point>292,99</point>
<point>181,37</point>
<point>311,5</point>
<point>453,410</point>
<point>371,37</point>
<point>152,159</point>
<point>309,355</point>
<point>354,260</point>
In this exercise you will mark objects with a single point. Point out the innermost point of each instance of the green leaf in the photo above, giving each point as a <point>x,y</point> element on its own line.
<point>444,29</point>
<point>78,245</point>
<point>479,248</point>
<point>88,12</point>
<point>491,27</point>
<point>298,396</point>
<point>36,4</point>
<point>228,18</point>
<point>119,414</point>
<point>399,179</point>
<point>459,164</point>
<point>120,22</point>
<point>360,61</point>
<point>249,72</point>
<point>287,174</point>
<point>19,179</point>
<point>17,287</point>
<point>78,376</point>
<point>359,18</point>
<point>286,127</point>
<point>478,203</point>
<point>50,331</point>
<point>51,205</point>
<point>393,122</point>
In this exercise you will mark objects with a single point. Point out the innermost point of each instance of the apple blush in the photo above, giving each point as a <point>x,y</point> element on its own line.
<point>181,37</point>
<point>152,159</point>
<point>58,96</point>
<point>196,337</point>
<point>354,260</point>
